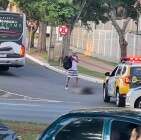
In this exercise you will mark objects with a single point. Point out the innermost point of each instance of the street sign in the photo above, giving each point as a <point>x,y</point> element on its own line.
<point>63,30</point>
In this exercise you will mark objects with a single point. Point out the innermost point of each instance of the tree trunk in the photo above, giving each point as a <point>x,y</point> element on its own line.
<point>121,32</point>
<point>123,46</point>
<point>52,43</point>
<point>66,43</point>
<point>42,37</point>
<point>66,46</point>
<point>32,39</point>
<point>32,30</point>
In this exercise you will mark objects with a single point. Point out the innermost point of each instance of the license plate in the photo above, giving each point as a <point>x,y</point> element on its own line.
<point>3,55</point>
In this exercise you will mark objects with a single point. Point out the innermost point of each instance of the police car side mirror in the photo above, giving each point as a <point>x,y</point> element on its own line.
<point>107,74</point>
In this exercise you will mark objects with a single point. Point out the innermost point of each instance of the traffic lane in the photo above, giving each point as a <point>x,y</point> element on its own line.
<point>41,112</point>
<point>38,82</point>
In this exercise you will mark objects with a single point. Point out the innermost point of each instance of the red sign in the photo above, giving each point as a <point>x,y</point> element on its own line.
<point>63,30</point>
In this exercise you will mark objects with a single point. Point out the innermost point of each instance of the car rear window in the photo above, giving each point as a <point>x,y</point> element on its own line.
<point>136,71</point>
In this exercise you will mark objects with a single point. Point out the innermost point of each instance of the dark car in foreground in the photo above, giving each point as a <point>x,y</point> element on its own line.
<point>6,133</point>
<point>94,124</point>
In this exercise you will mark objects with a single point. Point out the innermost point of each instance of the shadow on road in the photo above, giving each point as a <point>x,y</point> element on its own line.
<point>8,73</point>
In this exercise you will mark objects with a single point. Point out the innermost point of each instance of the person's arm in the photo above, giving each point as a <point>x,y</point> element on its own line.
<point>75,58</point>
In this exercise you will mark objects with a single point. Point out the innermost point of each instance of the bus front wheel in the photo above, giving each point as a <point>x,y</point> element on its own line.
<point>4,68</point>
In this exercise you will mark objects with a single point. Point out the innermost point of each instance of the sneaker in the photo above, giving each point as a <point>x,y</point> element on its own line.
<point>66,87</point>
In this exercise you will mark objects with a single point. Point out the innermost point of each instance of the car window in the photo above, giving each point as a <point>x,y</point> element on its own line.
<point>82,129</point>
<point>121,130</point>
<point>114,72</point>
<point>118,73</point>
<point>136,71</point>
<point>136,77</point>
<point>124,70</point>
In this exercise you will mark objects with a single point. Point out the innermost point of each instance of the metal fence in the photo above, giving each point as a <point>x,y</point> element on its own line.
<point>103,44</point>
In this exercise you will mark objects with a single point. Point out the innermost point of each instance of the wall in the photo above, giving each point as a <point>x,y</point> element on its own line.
<point>103,43</point>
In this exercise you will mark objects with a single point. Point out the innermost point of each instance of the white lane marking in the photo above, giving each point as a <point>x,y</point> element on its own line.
<point>17,104</point>
<point>49,101</point>
<point>29,98</point>
<point>11,93</point>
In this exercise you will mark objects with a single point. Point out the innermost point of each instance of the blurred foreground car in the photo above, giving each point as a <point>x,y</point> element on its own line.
<point>95,124</point>
<point>133,98</point>
<point>6,133</point>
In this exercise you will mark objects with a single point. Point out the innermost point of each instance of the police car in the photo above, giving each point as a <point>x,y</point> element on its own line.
<point>126,76</point>
<point>133,98</point>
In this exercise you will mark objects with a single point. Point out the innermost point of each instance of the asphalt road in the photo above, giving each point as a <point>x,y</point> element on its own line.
<point>37,94</point>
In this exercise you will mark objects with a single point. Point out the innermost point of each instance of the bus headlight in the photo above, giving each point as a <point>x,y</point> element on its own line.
<point>22,51</point>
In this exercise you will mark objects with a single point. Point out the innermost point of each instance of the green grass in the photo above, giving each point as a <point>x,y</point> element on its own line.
<point>106,62</point>
<point>90,72</point>
<point>27,131</point>
<point>54,63</point>
<point>45,55</point>
<point>33,50</point>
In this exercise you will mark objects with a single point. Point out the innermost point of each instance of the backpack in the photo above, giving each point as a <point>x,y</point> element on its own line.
<point>67,62</point>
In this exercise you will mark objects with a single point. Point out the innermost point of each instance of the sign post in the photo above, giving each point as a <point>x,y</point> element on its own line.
<point>63,30</point>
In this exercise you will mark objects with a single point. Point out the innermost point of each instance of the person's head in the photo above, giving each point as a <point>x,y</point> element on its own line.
<point>138,131</point>
<point>74,53</point>
<point>136,134</point>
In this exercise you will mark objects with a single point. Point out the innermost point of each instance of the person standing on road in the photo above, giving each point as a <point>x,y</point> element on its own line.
<point>73,71</point>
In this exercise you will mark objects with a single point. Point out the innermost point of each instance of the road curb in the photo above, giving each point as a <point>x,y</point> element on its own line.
<point>88,78</point>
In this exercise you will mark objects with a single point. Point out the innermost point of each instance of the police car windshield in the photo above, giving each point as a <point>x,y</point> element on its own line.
<point>136,71</point>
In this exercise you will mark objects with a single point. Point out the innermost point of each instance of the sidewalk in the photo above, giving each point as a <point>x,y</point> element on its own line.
<point>92,67</point>
<point>95,64</point>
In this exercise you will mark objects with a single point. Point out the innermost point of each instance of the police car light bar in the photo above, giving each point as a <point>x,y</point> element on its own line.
<point>131,59</point>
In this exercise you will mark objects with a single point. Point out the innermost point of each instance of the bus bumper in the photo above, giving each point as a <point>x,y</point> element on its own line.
<point>12,62</point>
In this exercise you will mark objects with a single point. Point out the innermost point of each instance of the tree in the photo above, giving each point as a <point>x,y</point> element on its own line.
<point>32,14</point>
<point>111,10</point>
<point>63,12</point>
<point>4,4</point>
<point>51,12</point>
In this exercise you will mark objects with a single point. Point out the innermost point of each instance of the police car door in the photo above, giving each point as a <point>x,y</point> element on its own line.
<point>111,82</point>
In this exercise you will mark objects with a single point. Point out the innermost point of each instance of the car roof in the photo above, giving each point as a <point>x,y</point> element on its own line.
<point>133,115</point>
<point>109,112</point>
<point>130,64</point>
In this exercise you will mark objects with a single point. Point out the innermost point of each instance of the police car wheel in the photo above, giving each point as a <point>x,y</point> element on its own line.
<point>120,101</point>
<point>106,98</point>
<point>138,103</point>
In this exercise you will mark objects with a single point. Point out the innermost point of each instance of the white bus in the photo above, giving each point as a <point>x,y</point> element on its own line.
<point>12,40</point>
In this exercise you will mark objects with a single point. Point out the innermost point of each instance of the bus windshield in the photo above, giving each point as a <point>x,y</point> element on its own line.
<point>11,26</point>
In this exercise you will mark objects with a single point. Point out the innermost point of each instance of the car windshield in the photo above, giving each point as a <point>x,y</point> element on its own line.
<point>136,77</point>
<point>136,71</point>
<point>11,26</point>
